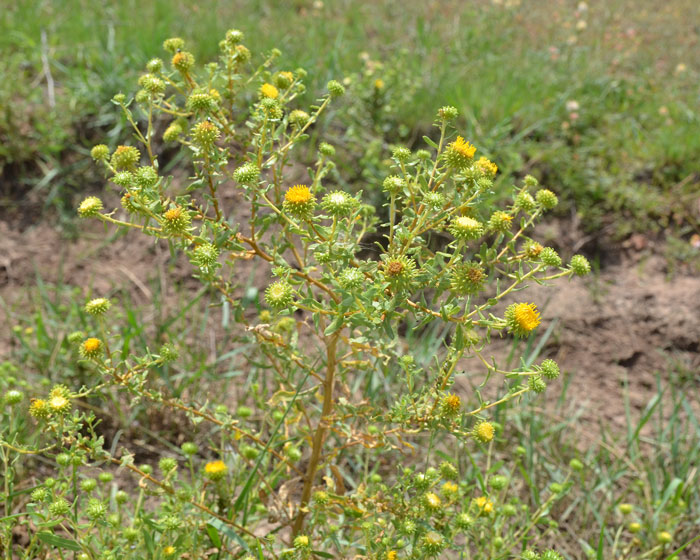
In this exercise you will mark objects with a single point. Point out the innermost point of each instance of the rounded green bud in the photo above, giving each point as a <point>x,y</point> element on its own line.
<point>401,154</point>
<point>394,184</point>
<point>201,101</point>
<point>625,509</point>
<point>95,510</point>
<point>189,448</point>
<point>154,65</point>
<point>172,132</point>
<point>146,469</point>
<point>76,337</point>
<point>556,488</point>
<point>119,98</point>
<point>234,36</point>
<point>351,279</point>
<point>466,228</point>
<point>182,61</point>
<point>168,353</point>
<point>205,255</point>
<point>530,181</point>
<point>247,174</point>
<point>423,155</point>
<point>447,113</point>
<point>221,409</point>
<point>242,54</point>
<point>550,369</point>
<point>125,158</point>
<point>326,149</point>
<point>59,507</point>
<point>434,200</point>
<point>500,221</point>
<point>131,534</point>
<point>173,44</point>
<point>123,178</point>
<point>580,265</point>
<point>152,84</point>
<point>39,495</point>
<point>536,384</point>
<point>121,497</point>
<point>271,108</point>
<point>546,198</point>
<point>99,152</point>
<point>13,397</point>
<point>90,206</point>
<point>292,453</point>
<point>97,306</point>
<point>321,498</point>
<point>551,555</point>
<point>244,412</point>
<point>467,278</point>
<point>339,204</point>
<point>88,485</point>
<point>335,88</point>
<point>142,97</point>
<point>525,202</point>
<point>170,522</point>
<point>448,471</point>
<point>50,482</point>
<point>509,510</point>
<point>63,459</point>
<point>249,452</point>
<point>498,482</point>
<point>176,221</point>
<point>146,177</point>
<point>204,134</point>
<point>167,464</point>
<point>283,79</point>
<point>279,295</point>
<point>432,542</point>
<point>105,477</point>
<point>576,465</point>
<point>634,527</point>
<point>399,271</point>
<point>550,257</point>
<point>299,118</point>
<point>464,521</point>
<point>664,537</point>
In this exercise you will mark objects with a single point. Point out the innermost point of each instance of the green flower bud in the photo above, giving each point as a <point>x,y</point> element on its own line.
<point>242,54</point>
<point>13,397</point>
<point>299,118</point>
<point>326,149</point>
<point>467,278</point>
<point>95,510</point>
<point>189,448</point>
<point>39,495</point>
<point>550,257</point>
<point>401,154</point>
<point>536,384</point>
<point>168,353</point>
<point>434,200</point>
<point>244,412</point>
<point>321,498</point>
<point>576,465</point>
<point>448,113</point>
<point>59,507</point>
<point>351,279</point>
<point>335,88</point>
<point>152,84</point>
<point>119,98</point>
<point>546,198</point>
<point>176,222</point>
<point>121,497</point>
<point>500,221</point>
<point>464,521</point>
<point>551,555</point>
<point>99,152</point>
<point>63,459</point>
<point>279,295</point>
<point>271,108</point>
<point>234,36</point>
<point>556,488</point>
<point>394,184</point>
<point>123,178</point>
<point>634,527</point>
<point>509,510</point>
<point>105,477</point>
<point>580,265</point>
<point>204,134</point>
<point>432,543</point>
<point>205,255</point>
<point>550,369</point>
<point>292,453</point>
<point>170,522</point>
<point>172,132</point>
<point>125,158</point>
<point>91,206</point>
<point>167,464</point>
<point>88,485</point>
<point>302,542</point>
<point>201,101</point>
<point>448,471</point>
<point>283,79</point>
<point>664,537</point>
<point>530,181</point>
<point>625,509</point>
<point>339,204</point>
<point>247,174</point>
<point>131,534</point>
<point>525,202</point>
<point>466,228</point>
<point>423,155</point>
<point>154,65</point>
<point>498,482</point>
<point>173,44</point>
<point>97,306</point>
<point>182,61</point>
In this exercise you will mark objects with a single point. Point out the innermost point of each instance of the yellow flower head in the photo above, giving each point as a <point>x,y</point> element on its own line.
<point>378,83</point>
<point>91,348</point>
<point>39,409</point>
<point>484,504</point>
<point>169,550</point>
<point>463,147</point>
<point>392,555</point>
<point>432,501</point>
<point>270,91</point>
<point>484,432</point>
<point>215,470</point>
<point>299,202</point>
<point>299,194</point>
<point>487,167</point>
<point>459,153</point>
<point>522,318</point>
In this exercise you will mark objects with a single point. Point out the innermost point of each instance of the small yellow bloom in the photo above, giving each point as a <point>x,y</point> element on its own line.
<point>432,501</point>
<point>91,348</point>
<point>484,432</point>
<point>268,90</point>
<point>169,550</point>
<point>487,166</point>
<point>463,147</point>
<point>527,316</point>
<point>484,504</point>
<point>298,194</point>
<point>215,470</point>
<point>392,555</point>
<point>378,83</point>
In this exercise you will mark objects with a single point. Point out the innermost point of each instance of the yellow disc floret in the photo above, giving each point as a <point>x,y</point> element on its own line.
<point>299,202</point>
<point>522,318</point>
<point>270,91</point>
<point>215,470</point>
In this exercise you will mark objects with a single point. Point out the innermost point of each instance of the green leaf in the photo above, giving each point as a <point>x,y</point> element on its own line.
<point>213,535</point>
<point>430,142</point>
<point>230,532</point>
<point>59,542</point>
<point>322,554</point>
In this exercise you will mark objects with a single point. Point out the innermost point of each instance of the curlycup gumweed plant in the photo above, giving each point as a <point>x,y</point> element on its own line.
<point>333,450</point>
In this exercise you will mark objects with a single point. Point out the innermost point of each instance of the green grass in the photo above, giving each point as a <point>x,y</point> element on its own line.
<point>628,158</point>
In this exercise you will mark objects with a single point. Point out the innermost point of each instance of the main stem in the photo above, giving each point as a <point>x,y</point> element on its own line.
<point>321,429</point>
